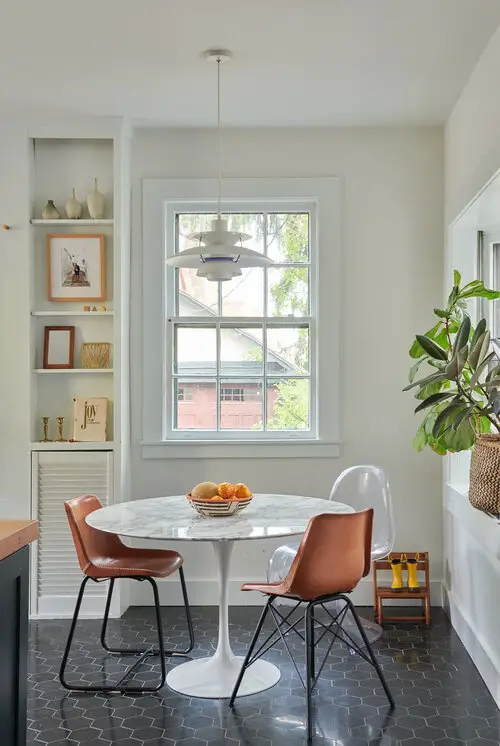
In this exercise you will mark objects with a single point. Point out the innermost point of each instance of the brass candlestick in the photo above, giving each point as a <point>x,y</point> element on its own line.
<point>45,439</point>
<point>60,421</point>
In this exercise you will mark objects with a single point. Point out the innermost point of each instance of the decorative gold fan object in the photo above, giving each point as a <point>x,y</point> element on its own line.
<point>96,354</point>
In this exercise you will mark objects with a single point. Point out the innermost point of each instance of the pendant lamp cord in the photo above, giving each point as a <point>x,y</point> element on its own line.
<point>219,144</point>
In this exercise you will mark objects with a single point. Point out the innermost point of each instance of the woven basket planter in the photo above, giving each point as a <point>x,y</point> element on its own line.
<point>484,480</point>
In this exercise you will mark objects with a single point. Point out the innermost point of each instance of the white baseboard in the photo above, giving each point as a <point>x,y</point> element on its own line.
<point>205,593</point>
<point>63,607</point>
<point>484,658</point>
<point>201,593</point>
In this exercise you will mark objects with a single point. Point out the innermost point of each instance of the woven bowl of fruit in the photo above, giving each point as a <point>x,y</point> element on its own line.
<point>218,500</point>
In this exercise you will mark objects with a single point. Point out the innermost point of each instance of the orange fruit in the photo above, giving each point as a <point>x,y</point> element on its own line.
<point>217,497</point>
<point>241,491</point>
<point>226,490</point>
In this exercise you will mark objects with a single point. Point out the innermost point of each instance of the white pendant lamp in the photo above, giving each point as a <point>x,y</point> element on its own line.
<point>220,254</point>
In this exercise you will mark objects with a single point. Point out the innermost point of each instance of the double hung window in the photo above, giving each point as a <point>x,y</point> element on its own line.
<point>253,360</point>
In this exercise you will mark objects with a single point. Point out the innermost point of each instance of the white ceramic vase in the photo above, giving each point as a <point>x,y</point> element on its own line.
<point>73,208</point>
<point>50,211</point>
<point>95,203</point>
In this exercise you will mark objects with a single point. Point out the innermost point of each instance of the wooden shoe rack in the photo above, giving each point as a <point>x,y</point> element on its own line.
<point>383,590</point>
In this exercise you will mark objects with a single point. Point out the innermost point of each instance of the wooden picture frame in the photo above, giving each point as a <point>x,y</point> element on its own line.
<point>76,269</point>
<point>58,347</point>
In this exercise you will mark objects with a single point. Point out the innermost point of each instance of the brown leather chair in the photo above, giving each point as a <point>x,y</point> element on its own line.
<point>103,556</point>
<point>334,555</point>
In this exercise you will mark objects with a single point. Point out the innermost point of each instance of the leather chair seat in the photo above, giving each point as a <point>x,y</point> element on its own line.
<point>153,563</point>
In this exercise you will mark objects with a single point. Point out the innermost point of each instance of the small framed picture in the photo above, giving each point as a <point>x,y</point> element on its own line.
<point>75,267</point>
<point>59,347</point>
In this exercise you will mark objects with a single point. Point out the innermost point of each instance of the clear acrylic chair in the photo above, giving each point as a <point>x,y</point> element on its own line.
<point>361,487</point>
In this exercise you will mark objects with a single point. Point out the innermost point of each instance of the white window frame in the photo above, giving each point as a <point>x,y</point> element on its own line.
<point>162,199</point>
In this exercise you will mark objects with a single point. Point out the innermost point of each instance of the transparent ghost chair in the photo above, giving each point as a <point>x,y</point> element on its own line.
<point>361,487</point>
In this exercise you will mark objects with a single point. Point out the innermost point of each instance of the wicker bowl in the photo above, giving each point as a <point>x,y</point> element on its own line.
<point>218,508</point>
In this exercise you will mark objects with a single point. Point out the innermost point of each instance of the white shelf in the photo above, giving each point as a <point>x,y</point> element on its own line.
<point>89,314</point>
<point>67,221</point>
<point>44,371</point>
<point>53,446</point>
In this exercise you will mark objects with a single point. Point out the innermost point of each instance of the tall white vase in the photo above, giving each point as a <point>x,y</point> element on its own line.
<point>73,208</point>
<point>95,203</point>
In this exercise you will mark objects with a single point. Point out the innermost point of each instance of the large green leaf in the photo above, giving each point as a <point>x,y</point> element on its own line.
<point>479,370</point>
<point>461,439</point>
<point>480,350</point>
<point>416,350</point>
<point>453,296</point>
<point>432,388</point>
<point>463,415</point>
<point>414,369</point>
<point>431,348</point>
<point>462,335</point>
<point>434,378</point>
<point>495,404</point>
<point>457,278</point>
<point>493,373</point>
<point>485,425</point>
<point>482,293</point>
<point>478,331</point>
<point>443,416</point>
<point>456,365</point>
<point>442,314</point>
<point>420,440</point>
<point>434,399</point>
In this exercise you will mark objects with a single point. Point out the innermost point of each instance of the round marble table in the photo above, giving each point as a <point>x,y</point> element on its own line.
<point>173,518</point>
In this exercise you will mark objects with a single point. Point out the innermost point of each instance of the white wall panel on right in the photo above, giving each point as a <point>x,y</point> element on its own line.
<point>472,539</point>
<point>473,133</point>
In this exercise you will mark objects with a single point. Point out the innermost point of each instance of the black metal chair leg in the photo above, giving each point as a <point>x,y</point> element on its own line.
<point>106,617</point>
<point>370,650</point>
<point>187,609</point>
<point>139,651</point>
<point>309,644</point>
<point>160,634</point>
<point>313,656</point>
<point>71,634</point>
<point>250,649</point>
<point>140,654</point>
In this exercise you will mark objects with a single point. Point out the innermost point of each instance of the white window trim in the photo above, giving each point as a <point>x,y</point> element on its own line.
<point>158,196</point>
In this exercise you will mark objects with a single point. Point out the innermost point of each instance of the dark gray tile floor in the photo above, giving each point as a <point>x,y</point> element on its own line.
<point>440,697</point>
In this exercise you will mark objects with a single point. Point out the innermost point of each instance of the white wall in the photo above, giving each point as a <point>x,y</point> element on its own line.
<point>472,539</point>
<point>391,275</point>
<point>472,140</point>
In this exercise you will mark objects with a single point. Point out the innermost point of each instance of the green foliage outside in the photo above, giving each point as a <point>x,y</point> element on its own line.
<point>290,295</point>
<point>460,392</point>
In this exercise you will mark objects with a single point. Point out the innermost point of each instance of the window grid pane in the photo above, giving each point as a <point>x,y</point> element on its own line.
<point>284,378</point>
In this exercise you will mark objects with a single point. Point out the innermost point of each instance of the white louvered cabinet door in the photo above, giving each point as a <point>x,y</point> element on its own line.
<point>56,575</point>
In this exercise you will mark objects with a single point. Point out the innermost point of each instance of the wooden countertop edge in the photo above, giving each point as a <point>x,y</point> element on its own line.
<point>16,534</point>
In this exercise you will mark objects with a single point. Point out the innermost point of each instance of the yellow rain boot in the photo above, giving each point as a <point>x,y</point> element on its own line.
<point>413,584</point>
<point>397,574</point>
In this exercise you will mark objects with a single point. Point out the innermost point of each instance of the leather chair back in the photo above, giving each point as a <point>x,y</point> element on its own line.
<point>90,544</point>
<point>334,555</point>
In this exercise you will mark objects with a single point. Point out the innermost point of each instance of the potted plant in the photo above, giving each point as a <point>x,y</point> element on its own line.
<point>459,392</point>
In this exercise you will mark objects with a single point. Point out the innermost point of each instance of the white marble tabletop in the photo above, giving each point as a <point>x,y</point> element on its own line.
<point>173,517</point>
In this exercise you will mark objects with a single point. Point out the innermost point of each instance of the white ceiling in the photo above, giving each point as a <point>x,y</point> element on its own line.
<point>297,62</point>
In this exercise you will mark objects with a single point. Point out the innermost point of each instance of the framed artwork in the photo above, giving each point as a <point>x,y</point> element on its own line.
<point>75,267</point>
<point>59,347</point>
<point>96,354</point>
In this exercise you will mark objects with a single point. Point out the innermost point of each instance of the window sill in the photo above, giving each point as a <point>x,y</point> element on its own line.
<point>238,449</point>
